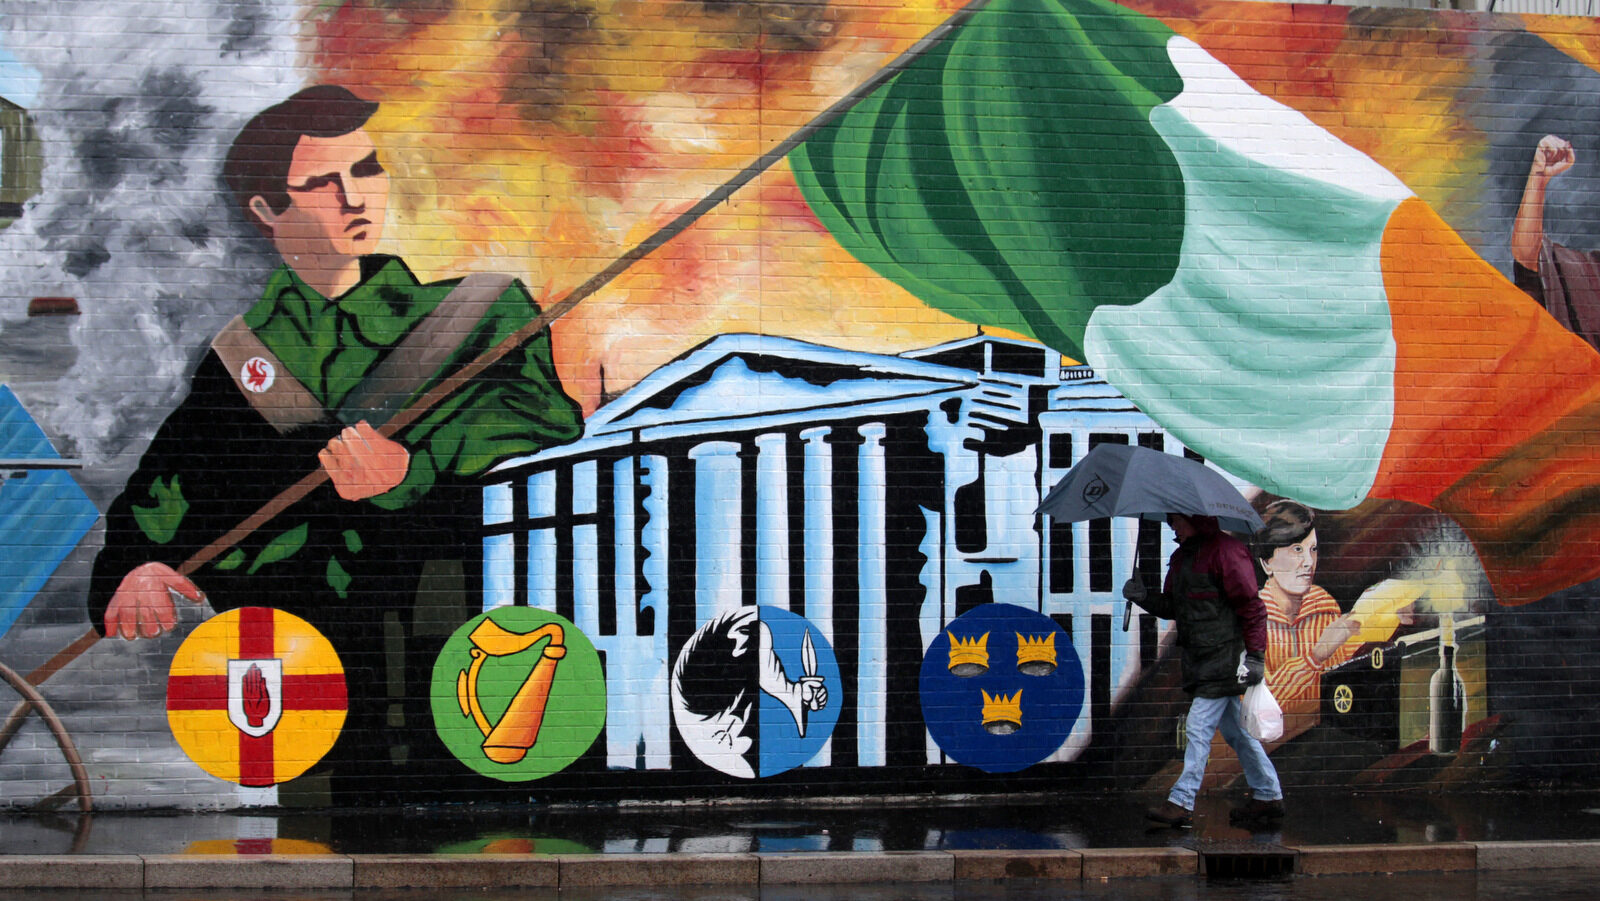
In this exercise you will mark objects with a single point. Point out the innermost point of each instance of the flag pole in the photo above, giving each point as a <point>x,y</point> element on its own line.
<point>560,308</point>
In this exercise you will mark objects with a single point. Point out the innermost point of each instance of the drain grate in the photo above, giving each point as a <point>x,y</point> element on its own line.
<point>1246,860</point>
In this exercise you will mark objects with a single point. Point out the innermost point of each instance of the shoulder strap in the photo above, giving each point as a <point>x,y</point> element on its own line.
<point>424,350</point>
<point>264,381</point>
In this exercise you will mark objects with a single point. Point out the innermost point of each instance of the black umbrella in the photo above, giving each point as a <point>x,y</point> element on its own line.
<point>1125,480</point>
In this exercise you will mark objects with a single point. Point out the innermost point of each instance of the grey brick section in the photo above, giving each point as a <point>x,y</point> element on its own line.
<point>844,867</point>
<point>658,869</point>
<point>285,871</point>
<point>379,871</point>
<point>86,871</point>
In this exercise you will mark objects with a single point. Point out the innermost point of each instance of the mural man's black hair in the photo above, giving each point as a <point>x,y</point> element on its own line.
<point>258,162</point>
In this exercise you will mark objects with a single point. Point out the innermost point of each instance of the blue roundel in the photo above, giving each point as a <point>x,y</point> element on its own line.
<point>1001,688</point>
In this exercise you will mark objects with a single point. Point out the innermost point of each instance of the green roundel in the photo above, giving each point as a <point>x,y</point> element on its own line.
<point>518,693</point>
<point>1010,176</point>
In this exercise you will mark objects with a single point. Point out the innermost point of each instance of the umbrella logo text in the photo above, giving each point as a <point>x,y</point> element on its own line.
<point>1095,490</point>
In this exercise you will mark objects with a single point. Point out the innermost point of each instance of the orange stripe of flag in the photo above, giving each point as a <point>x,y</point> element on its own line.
<point>1495,412</point>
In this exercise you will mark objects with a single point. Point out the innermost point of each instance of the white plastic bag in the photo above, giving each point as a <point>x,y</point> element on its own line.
<point>1263,718</point>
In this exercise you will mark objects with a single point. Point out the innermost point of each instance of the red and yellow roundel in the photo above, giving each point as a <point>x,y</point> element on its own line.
<point>256,696</point>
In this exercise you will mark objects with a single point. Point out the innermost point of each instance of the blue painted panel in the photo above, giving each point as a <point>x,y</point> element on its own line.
<point>43,515</point>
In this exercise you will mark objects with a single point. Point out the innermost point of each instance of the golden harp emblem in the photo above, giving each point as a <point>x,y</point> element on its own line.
<point>508,740</point>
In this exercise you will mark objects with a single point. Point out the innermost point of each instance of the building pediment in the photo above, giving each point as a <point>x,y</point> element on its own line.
<point>732,376</point>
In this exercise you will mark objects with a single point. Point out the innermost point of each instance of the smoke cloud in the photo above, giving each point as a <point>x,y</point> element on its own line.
<point>136,106</point>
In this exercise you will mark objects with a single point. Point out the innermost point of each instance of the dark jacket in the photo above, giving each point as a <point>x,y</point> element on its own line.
<point>339,564</point>
<point>1212,592</point>
<point>352,569</point>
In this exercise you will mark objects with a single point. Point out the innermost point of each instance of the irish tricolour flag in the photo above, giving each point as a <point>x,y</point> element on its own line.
<point>1077,172</point>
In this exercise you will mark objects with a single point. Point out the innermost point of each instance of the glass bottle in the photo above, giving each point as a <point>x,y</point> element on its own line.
<point>1447,695</point>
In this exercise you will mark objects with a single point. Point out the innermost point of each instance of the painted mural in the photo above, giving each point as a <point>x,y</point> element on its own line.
<point>733,701</point>
<point>502,677</point>
<point>256,696</point>
<point>1003,706</point>
<point>467,400</point>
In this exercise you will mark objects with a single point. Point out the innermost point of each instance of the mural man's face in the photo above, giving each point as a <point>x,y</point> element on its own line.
<point>1294,566</point>
<point>338,196</point>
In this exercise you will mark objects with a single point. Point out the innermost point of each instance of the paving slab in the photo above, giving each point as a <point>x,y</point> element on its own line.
<point>386,871</point>
<point>1038,839</point>
<point>275,871</point>
<point>1335,860</point>
<point>1537,855</point>
<point>1124,863</point>
<point>598,870</point>
<point>79,871</point>
<point>833,867</point>
<point>1018,864</point>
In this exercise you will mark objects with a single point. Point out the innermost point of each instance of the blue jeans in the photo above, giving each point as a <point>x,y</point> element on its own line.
<point>1206,716</point>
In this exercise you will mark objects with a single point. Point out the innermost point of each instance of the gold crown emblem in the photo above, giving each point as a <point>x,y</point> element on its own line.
<point>969,657</point>
<point>1036,655</point>
<point>1002,715</point>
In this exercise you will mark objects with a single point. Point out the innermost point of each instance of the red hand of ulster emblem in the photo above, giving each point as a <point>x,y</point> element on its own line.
<point>257,701</point>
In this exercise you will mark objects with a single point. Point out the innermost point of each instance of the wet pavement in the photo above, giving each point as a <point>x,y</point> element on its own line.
<point>916,824</point>
<point>1468,845</point>
<point>1521,885</point>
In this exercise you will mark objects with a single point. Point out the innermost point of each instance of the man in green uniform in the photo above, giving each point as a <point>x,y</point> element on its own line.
<point>341,337</point>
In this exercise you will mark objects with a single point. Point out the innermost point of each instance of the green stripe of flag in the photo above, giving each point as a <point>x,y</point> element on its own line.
<point>1011,176</point>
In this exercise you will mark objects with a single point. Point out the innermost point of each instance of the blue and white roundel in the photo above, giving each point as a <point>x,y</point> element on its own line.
<point>755,692</point>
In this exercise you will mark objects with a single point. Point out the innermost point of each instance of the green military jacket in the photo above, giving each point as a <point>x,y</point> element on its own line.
<point>215,460</point>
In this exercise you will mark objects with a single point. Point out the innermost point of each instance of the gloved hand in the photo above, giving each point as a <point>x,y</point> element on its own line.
<point>1255,668</point>
<point>1134,590</point>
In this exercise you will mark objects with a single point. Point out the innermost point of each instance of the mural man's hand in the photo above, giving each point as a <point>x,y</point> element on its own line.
<point>142,606</point>
<point>1552,157</point>
<point>363,463</point>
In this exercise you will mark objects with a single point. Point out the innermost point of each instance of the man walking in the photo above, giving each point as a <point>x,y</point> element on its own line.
<point>1211,591</point>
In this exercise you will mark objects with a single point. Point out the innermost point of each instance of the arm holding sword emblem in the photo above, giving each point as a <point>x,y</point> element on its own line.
<point>809,694</point>
<point>813,688</point>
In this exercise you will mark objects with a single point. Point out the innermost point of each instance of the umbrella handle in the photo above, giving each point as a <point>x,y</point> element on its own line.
<point>1127,611</point>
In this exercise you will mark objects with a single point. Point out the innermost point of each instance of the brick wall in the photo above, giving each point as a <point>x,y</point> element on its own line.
<point>836,294</point>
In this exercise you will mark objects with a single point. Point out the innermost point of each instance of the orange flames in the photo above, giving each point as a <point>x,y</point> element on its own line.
<point>546,138</point>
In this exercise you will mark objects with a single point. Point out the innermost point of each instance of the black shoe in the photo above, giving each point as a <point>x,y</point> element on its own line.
<point>1256,812</point>
<point>1170,814</point>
